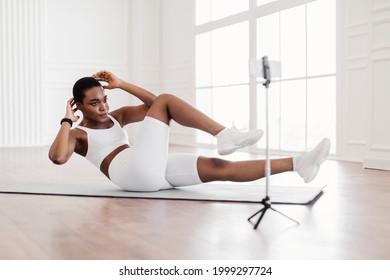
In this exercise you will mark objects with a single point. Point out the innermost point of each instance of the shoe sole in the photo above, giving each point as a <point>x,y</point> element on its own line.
<point>322,157</point>
<point>228,148</point>
<point>324,152</point>
<point>251,140</point>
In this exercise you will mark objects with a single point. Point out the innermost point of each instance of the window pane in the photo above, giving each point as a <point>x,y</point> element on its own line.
<point>203,60</point>
<point>230,105</point>
<point>321,39</point>
<point>268,40</point>
<point>293,119</point>
<point>293,50</point>
<point>226,105</point>
<point>204,102</point>
<point>224,8</point>
<point>230,54</point>
<point>299,117</point>
<point>203,11</point>
<point>208,10</point>
<point>274,114</point>
<point>321,110</point>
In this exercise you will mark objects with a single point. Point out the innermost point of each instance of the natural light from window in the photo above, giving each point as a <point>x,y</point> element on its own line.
<point>302,38</point>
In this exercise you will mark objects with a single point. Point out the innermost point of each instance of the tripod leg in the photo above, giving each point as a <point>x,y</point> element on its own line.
<point>261,210</point>
<point>266,203</point>
<point>285,215</point>
<point>261,216</point>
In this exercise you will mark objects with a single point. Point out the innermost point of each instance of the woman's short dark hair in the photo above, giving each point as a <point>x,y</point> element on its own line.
<point>82,85</point>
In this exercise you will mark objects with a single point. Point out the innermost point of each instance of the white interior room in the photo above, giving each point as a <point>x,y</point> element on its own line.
<point>335,58</point>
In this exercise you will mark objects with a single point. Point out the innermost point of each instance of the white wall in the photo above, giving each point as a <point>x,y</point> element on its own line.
<point>46,45</point>
<point>178,58</point>
<point>145,48</point>
<point>80,38</point>
<point>364,84</point>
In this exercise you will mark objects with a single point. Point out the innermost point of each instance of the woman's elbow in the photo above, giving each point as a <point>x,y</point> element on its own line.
<point>58,159</point>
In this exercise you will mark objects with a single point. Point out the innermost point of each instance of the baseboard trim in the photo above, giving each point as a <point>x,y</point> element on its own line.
<point>373,163</point>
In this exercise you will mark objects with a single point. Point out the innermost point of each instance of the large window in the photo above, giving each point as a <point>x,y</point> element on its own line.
<point>222,75</point>
<point>302,37</point>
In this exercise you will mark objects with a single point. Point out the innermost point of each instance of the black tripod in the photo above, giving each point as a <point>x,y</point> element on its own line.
<point>266,202</point>
<point>267,205</point>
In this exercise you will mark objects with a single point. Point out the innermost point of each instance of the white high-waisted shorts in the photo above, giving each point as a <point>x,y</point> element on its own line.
<point>147,166</point>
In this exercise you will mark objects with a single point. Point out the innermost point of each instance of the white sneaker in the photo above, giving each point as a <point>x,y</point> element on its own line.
<point>230,139</point>
<point>309,163</point>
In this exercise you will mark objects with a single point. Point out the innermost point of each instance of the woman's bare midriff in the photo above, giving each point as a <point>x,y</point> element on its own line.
<point>107,160</point>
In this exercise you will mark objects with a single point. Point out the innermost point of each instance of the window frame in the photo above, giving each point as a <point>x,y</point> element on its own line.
<point>251,15</point>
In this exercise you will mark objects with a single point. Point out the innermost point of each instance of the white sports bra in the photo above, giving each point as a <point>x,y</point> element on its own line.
<point>101,142</point>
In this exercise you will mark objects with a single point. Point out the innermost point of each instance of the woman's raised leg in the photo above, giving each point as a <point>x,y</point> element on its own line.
<point>167,107</point>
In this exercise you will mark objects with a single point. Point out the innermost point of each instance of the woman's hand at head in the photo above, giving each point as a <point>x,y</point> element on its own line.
<point>70,111</point>
<point>105,76</point>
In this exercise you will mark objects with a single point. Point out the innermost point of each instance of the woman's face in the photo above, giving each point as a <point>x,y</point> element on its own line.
<point>95,106</point>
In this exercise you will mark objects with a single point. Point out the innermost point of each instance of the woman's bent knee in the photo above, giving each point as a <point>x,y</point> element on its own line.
<point>165,97</point>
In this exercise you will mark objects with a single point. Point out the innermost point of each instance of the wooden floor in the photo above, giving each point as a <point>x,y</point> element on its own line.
<point>349,221</point>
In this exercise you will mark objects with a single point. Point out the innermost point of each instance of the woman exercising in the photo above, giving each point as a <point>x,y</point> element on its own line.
<point>146,165</point>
